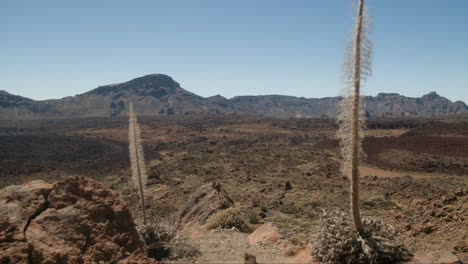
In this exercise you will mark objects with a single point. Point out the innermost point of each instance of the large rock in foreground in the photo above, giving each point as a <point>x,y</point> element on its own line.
<point>204,202</point>
<point>75,220</point>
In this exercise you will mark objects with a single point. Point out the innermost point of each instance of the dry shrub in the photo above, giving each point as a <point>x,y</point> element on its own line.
<point>159,231</point>
<point>228,218</point>
<point>163,242</point>
<point>339,242</point>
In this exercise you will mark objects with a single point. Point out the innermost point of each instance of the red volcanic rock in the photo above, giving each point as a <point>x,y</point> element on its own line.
<point>18,205</point>
<point>75,220</point>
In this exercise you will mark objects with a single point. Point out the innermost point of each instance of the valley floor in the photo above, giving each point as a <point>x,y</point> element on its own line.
<point>284,171</point>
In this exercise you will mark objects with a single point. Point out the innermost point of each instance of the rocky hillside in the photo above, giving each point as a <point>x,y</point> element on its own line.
<point>159,94</point>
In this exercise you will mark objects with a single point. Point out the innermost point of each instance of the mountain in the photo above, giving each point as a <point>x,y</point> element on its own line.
<point>159,94</point>
<point>395,105</point>
<point>155,94</point>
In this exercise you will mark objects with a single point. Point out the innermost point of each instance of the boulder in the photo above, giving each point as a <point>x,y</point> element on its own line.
<point>267,232</point>
<point>18,206</point>
<point>74,220</point>
<point>205,201</point>
<point>250,259</point>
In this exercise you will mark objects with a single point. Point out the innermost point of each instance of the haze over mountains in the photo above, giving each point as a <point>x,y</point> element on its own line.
<point>159,94</point>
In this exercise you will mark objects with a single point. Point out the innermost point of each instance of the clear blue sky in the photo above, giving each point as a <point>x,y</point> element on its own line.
<point>52,49</point>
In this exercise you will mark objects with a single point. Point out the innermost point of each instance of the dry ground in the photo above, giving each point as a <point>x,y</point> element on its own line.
<point>415,175</point>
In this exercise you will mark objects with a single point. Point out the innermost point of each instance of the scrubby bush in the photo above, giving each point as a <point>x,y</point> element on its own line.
<point>163,243</point>
<point>228,218</point>
<point>339,242</point>
<point>159,231</point>
<point>253,219</point>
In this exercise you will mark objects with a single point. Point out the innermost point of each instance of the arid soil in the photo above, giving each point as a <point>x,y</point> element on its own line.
<point>284,171</point>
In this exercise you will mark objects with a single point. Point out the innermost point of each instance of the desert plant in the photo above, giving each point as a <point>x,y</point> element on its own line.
<point>253,219</point>
<point>159,231</point>
<point>350,112</point>
<point>338,241</point>
<point>228,218</point>
<point>370,241</point>
<point>163,243</point>
<point>137,159</point>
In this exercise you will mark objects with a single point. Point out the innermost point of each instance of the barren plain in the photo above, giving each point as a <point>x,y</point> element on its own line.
<point>284,171</point>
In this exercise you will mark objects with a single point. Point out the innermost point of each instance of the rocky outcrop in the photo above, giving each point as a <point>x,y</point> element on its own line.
<point>204,202</point>
<point>396,105</point>
<point>267,232</point>
<point>75,220</point>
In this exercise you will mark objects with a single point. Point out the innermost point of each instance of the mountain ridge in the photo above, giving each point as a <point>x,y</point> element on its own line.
<point>160,94</point>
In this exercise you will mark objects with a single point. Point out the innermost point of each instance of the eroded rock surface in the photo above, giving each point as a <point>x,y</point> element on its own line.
<point>204,202</point>
<point>75,220</point>
<point>18,206</point>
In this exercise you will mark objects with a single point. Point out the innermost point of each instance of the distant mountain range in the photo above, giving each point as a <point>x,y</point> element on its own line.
<point>159,94</point>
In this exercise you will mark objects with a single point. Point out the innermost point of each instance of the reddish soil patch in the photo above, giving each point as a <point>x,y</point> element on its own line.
<point>444,146</point>
<point>419,153</point>
<point>444,129</point>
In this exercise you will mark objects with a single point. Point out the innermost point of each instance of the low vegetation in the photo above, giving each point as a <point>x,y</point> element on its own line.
<point>159,231</point>
<point>338,241</point>
<point>163,242</point>
<point>229,218</point>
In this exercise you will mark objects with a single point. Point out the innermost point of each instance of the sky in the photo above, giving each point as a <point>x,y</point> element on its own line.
<point>57,48</point>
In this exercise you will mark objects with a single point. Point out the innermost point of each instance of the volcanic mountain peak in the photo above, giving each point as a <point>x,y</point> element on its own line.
<point>156,85</point>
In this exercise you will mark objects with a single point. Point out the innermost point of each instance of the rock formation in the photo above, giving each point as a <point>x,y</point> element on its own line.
<point>74,220</point>
<point>204,202</point>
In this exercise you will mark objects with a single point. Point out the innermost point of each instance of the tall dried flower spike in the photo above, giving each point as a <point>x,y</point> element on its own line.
<point>351,109</point>
<point>341,239</point>
<point>137,159</point>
